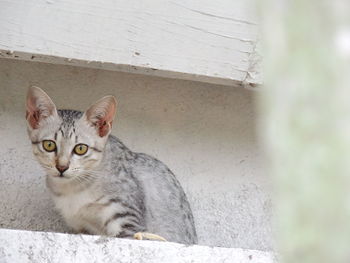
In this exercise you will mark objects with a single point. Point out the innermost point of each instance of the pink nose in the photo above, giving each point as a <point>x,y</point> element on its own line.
<point>62,168</point>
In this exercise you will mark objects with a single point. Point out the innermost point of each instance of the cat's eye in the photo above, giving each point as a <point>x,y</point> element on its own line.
<point>49,145</point>
<point>80,149</point>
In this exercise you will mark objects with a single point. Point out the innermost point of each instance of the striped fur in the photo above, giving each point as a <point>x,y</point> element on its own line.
<point>110,190</point>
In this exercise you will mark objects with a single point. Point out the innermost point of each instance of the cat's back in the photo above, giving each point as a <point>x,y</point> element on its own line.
<point>168,212</point>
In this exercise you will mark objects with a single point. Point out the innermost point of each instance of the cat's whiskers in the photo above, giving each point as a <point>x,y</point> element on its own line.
<point>86,176</point>
<point>47,166</point>
<point>79,179</point>
<point>82,180</point>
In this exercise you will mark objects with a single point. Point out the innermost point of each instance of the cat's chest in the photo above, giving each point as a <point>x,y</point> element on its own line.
<point>71,205</point>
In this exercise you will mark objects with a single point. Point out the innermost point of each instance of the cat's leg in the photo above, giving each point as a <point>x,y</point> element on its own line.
<point>91,219</point>
<point>81,231</point>
<point>111,218</point>
<point>120,224</point>
<point>123,225</point>
<point>128,229</point>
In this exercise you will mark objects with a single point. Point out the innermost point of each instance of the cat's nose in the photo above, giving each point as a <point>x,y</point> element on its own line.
<point>62,168</point>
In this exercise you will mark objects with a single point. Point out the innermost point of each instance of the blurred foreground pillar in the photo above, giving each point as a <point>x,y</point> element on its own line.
<point>305,109</point>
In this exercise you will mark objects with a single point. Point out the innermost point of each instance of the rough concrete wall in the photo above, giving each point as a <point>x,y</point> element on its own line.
<point>55,247</point>
<point>204,133</point>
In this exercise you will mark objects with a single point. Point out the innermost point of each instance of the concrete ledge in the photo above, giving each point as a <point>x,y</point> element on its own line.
<point>28,246</point>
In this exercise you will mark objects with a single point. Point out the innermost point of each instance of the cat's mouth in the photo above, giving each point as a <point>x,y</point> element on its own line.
<point>58,176</point>
<point>52,172</point>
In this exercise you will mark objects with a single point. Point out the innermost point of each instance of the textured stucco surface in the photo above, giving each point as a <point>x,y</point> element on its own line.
<point>204,133</point>
<point>27,246</point>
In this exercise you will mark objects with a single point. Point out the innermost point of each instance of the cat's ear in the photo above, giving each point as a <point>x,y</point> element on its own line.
<point>39,106</point>
<point>101,115</point>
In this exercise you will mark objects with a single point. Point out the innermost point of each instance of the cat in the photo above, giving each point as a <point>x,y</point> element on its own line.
<point>97,184</point>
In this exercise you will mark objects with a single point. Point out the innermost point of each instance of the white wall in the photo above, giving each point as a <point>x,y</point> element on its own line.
<point>204,133</point>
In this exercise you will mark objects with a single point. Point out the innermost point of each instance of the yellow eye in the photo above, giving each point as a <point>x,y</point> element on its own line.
<point>49,145</point>
<point>80,149</point>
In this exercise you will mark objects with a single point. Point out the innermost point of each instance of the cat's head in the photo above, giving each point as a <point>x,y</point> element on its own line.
<point>68,144</point>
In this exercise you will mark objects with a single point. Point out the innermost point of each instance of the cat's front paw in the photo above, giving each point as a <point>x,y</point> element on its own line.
<point>148,236</point>
<point>80,231</point>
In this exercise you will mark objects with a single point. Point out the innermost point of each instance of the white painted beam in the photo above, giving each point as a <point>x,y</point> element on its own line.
<point>29,246</point>
<point>210,41</point>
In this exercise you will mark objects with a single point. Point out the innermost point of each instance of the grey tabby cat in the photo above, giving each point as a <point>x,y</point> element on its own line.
<point>99,185</point>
